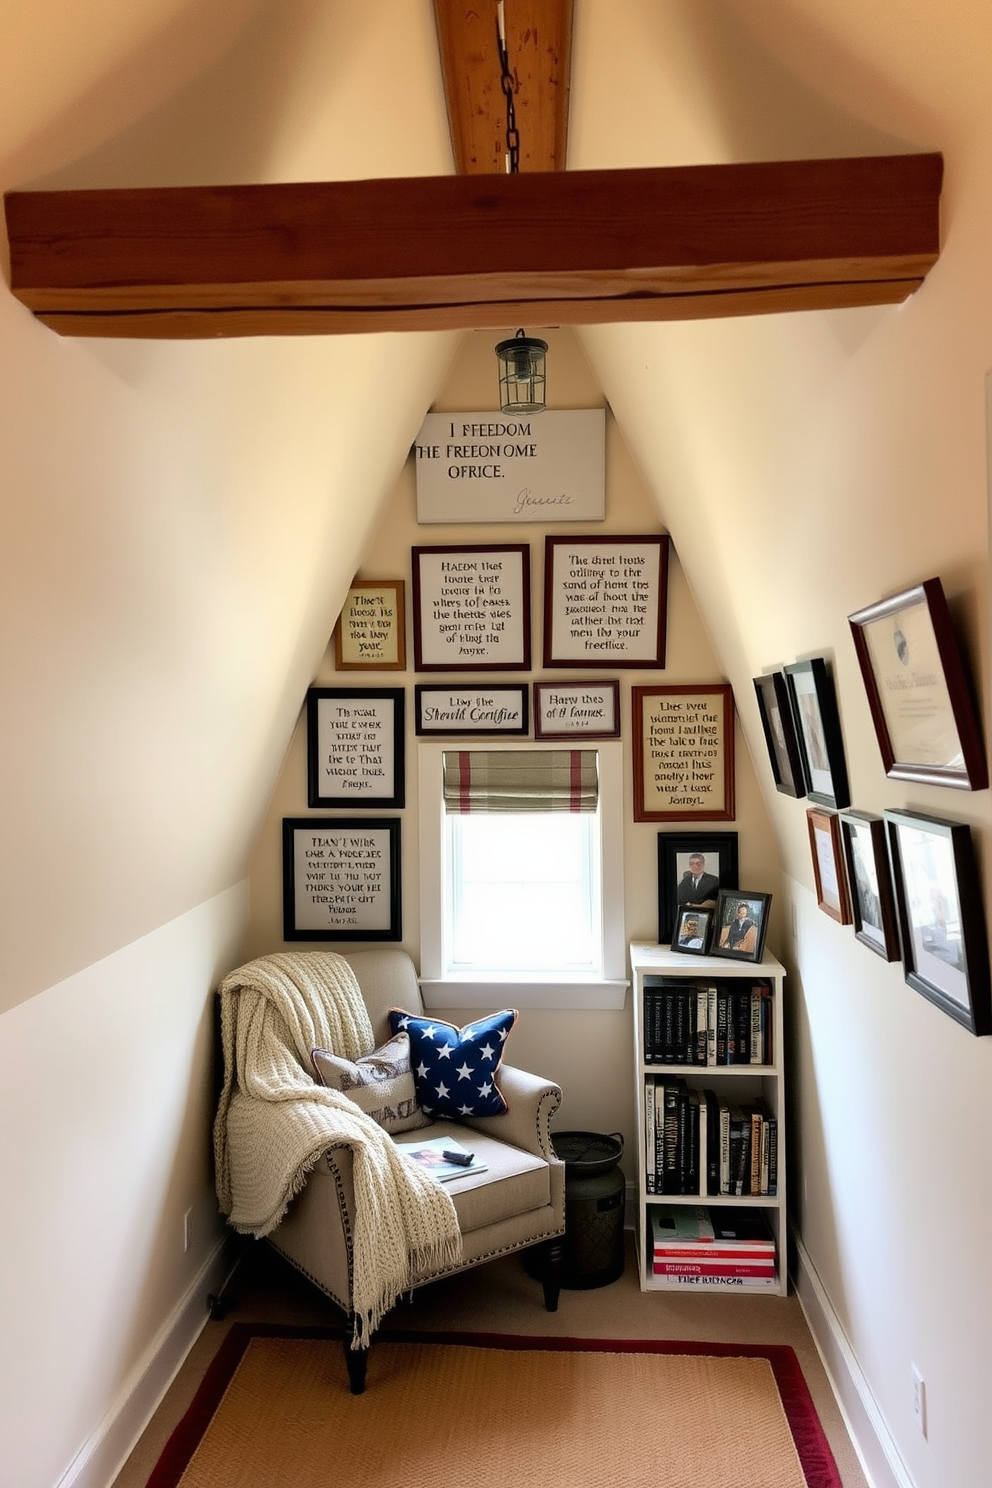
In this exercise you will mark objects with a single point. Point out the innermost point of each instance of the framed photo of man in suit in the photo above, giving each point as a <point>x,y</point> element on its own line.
<point>692,869</point>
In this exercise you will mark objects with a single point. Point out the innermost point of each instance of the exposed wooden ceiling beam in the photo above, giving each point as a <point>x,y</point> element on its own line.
<point>470,251</point>
<point>539,49</point>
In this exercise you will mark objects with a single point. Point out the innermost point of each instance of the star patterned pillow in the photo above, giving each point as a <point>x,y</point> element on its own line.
<point>454,1069</point>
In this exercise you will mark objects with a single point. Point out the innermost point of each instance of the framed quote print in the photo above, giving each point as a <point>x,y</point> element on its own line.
<point>563,710</point>
<point>355,746</point>
<point>341,878</point>
<point>683,748</point>
<point>918,692</point>
<point>370,634</point>
<point>471,608</point>
<point>605,601</point>
<point>500,708</point>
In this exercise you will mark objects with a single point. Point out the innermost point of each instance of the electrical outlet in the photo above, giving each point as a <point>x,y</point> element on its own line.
<point>187,1230</point>
<point>919,1400</point>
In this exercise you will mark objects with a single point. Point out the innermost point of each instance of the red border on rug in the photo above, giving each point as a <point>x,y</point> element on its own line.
<point>815,1456</point>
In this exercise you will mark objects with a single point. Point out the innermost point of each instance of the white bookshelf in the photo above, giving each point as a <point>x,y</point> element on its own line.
<point>736,1082</point>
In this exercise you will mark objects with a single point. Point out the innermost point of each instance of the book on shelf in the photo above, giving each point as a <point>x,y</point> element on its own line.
<point>756,1267</point>
<point>742,1283</point>
<point>650,1179</point>
<point>703,1023</point>
<point>430,1156</point>
<point>710,1232</point>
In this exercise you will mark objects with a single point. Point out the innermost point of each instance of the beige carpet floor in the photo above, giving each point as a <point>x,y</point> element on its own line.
<point>502,1298</point>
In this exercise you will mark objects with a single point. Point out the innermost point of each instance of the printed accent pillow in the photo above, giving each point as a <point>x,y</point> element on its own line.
<point>454,1069</point>
<point>380,1083</point>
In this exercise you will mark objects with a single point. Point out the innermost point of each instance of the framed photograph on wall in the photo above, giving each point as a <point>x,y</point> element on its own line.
<point>683,751</point>
<point>564,710</point>
<point>740,921</point>
<point>869,881</point>
<point>829,876</point>
<point>692,932</point>
<point>938,896</point>
<point>370,634</point>
<point>605,601</point>
<point>341,878</point>
<point>918,692</point>
<point>355,746</point>
<point>500,708</point>
<point>817,728</point>
<point>692,869</point>
<point>778,727</point>
<point>471,608</point>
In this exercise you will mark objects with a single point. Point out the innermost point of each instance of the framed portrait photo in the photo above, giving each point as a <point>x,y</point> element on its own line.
<point>918,692</point>
<point>341,878</point>
<point>938,897</point>
<point>869,883</point>
<point>740,920</point>
<point>692,932</point>
<point>471,608</point>
<point>692,869</point>
<point>818,735</point>
<point>355,746</point>
<point>829,876</point>
<point>370,634</point>
<point>683,752</point>
<point>605,601</point>
<point>778,727</point>
<point>563,710</point>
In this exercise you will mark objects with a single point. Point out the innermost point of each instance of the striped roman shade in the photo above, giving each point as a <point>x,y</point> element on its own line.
<point>520,780</point>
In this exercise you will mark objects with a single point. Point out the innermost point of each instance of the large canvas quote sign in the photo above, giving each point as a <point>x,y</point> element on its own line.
<point>605,601</point>
<point>471,608</point>
<point>683,753</point>
<point>498,467</point>
<point>341,878</point>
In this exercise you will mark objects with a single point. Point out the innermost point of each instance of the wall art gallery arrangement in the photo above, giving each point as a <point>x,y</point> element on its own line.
<point>905,881</point>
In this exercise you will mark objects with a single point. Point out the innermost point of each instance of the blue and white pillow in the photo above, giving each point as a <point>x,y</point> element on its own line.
<point>454,1069</point>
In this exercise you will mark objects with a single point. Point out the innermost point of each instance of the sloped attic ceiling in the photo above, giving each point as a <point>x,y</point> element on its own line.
<point>221,496</point>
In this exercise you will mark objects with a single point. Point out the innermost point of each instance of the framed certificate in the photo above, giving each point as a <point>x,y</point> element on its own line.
<point>921,704</point>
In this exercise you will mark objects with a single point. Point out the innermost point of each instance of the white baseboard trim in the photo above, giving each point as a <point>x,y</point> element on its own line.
<point>881,1460</point>
<point>104,1453</point>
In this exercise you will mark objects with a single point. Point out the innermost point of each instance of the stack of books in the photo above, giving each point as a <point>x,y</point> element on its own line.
<point>698,1246</point>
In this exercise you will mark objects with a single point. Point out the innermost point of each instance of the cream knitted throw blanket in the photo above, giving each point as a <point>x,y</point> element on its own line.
<point>274,1122</point>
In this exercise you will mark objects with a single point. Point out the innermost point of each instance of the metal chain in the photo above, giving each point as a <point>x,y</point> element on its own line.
<point>506,81</point>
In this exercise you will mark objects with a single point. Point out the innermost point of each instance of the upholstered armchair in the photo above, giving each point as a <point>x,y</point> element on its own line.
<point>516,1202</point>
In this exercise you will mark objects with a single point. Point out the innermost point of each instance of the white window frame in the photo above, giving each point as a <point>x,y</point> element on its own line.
<point>522,989</point>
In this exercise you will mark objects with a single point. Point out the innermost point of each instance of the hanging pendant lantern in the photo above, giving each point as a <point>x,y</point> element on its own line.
<point>522,374</point>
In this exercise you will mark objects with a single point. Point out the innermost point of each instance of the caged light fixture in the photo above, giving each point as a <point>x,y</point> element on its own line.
<point>522,374</point>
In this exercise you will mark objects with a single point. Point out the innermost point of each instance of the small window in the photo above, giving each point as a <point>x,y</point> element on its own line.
<point>514,888</point>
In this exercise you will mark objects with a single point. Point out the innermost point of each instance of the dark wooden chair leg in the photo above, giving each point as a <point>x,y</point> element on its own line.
<point>554,1262</point>
<point>357,1363</point>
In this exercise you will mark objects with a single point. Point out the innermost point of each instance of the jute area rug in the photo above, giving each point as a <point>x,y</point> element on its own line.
<point>274,1411</point>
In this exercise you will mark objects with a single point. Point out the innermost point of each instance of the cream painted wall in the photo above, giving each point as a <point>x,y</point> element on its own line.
<point>589,1053</point>
<point>105,1148</point>
<point>806,466</point>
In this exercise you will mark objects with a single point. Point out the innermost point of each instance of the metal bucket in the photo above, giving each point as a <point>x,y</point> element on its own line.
<point>594,1207</point>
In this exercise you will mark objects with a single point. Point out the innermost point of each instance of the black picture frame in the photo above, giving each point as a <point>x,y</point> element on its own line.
<point>727,916</point>
<point>606,600</point>
<point>918,691</point>
<point>693,932</point>
<point>341,878</point>
<point>938,899</point>
<point>816,724</point>
<point>471,708</point>
<point>719,852</point>
<point>577,710</point>
<point>779,729</point>
<point>356,738</point>
<point>869,882</point>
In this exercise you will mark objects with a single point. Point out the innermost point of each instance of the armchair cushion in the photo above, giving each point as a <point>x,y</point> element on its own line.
<point>380,1083</point>
<point>454,1069</point>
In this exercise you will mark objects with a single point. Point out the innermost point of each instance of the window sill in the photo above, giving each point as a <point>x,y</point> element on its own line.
<point>523,991</point>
